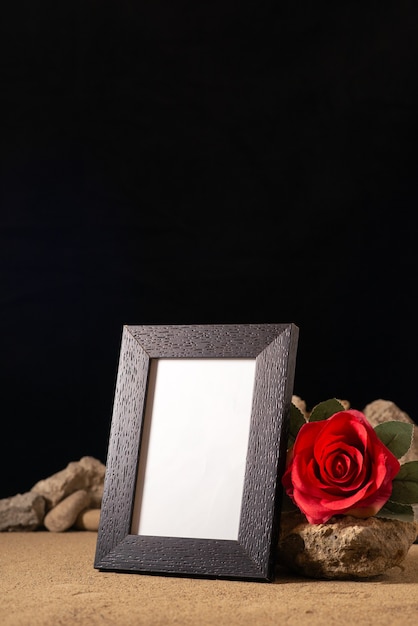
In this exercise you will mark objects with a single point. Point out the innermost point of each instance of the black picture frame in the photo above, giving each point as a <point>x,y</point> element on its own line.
<point>253,555</point>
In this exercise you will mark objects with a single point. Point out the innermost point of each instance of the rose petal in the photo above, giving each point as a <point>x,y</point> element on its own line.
<point>339,466</point>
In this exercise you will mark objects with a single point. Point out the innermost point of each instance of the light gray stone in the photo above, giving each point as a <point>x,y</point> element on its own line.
<point>61,484</point>
<point>95,472</point>
<point>345,548</point>
<point>22,512</point>
<point>64,514</point>
<point>87,473</point>
<point>88,520</point>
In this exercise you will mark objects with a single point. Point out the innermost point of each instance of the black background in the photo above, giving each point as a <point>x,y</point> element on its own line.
<point>173,162</point>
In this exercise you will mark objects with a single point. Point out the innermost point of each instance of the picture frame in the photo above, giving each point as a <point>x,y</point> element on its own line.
<point>251,554</point>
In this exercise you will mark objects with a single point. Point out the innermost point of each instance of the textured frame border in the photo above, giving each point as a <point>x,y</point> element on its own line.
<point>253,555</point>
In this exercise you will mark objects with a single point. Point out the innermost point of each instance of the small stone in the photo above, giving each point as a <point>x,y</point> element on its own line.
<point>22,512</point>
<point>88,520</point>
<point>63,516</point>
<point>95,473</point>
<point>87,473</point>
<point>61,484</point>
<point>345,548</point>
<point>301,405</point>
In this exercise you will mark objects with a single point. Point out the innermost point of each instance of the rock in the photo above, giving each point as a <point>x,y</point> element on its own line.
<point>95,473</point>
<point>22,512</point>
<point>381,411</point>
<point>87,473</point>
<point>345,548</point>
<point>88,520</point>
<point>57,486</point>
<point>63,515</point>
<point>301,405</point>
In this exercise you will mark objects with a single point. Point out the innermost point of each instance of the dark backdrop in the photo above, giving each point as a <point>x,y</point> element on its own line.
<point>168,162</point>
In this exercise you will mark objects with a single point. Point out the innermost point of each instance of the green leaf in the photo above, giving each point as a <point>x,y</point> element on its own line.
<point>297,419</point>
<point>405,484</point>
<point>324,410</point>
<point>394,510</point>
<point>397,436</point>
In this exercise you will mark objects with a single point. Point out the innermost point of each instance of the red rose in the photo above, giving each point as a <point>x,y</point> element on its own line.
<point>339,466</point>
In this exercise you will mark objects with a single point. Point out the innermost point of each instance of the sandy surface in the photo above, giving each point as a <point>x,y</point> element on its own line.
<point>48,579</point>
